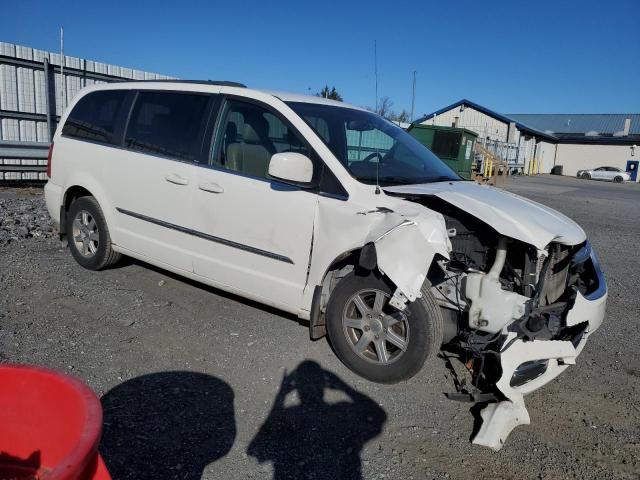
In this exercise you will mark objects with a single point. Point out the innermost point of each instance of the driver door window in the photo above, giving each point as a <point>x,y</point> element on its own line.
<point>249,136</point>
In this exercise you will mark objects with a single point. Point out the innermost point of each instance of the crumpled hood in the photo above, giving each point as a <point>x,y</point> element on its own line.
<point>507,213</point>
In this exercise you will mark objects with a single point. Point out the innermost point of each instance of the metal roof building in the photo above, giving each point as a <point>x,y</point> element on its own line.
<point>537,142</point>
<point>572,124</point>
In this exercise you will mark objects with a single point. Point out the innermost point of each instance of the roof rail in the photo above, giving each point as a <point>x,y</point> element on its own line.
<point>223,83</point>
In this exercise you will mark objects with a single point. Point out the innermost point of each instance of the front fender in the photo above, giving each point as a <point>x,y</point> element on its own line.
<point>404,255</point>
<point>407,237</point>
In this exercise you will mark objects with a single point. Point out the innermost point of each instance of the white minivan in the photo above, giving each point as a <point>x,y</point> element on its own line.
<point>332,213</point>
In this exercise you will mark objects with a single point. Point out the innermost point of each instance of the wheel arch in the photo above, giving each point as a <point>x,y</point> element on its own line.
<point>364,258</point>
<point>338,268</point>
<point>70,195</point>
<point>82,185</point>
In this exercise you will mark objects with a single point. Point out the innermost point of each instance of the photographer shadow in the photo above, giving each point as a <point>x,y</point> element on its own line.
<point>167,425</point>
<point>315,439</point>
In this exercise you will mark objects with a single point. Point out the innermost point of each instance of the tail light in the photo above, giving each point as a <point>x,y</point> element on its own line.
<point>49,158</point>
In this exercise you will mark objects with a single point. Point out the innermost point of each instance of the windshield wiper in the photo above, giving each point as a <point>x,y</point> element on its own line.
<point>388,180</point>
<point>441,178</point>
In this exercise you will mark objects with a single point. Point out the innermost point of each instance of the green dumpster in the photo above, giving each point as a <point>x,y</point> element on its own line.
<point>454,146</point>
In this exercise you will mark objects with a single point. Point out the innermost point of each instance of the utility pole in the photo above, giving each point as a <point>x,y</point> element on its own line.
<point>375,69</point>
<point>62,82</point>
<point>413,97</point>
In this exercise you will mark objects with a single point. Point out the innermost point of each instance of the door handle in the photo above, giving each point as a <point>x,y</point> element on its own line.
<point>176,179</point>
<point>211,187</point>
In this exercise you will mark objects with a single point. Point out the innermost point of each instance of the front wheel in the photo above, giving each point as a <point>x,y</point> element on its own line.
<point>585,176</point>
<point>618,179</point>
<point>375,340</point>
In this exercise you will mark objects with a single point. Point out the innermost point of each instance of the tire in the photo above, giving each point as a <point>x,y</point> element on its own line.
<point>420,327</point>
<point>618,180</point>
<point>88,237</point>
<point>585,176</point>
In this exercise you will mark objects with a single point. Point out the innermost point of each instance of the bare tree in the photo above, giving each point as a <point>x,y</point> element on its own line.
<point>329,93</point>
<point>402,117</point>
<point>385,109</point>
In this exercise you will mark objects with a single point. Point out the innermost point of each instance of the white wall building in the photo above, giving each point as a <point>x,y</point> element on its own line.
<point>535,143</point>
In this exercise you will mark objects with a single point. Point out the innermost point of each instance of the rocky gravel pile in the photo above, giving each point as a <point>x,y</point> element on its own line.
<point>24,217</point>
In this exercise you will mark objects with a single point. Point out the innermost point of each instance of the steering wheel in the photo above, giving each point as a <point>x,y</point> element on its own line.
<point>372,155</point>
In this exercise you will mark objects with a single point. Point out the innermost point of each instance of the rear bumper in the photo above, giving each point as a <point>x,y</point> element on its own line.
<point>53,197</point>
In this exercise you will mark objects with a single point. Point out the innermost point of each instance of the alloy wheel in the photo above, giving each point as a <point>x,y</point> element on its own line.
<point>85,234</point>
<point>376,331</point>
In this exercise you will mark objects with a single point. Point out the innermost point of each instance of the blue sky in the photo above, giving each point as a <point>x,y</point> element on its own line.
<point>514,57</point>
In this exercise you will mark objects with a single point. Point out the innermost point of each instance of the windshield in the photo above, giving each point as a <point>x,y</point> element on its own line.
<point>371,147</point>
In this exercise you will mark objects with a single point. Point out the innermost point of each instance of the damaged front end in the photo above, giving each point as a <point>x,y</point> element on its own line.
<point>521,313</point>
<point>519,286</point>
<point>533,350</point>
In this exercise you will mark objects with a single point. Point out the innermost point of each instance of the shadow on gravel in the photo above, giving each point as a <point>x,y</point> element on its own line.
<point>312,438</point>
<point>167,425</point>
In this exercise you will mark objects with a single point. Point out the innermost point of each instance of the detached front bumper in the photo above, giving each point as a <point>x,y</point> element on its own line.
<point>529,365</point>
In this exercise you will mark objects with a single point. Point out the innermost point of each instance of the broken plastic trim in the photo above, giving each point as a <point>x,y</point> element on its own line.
<point>499,419</point>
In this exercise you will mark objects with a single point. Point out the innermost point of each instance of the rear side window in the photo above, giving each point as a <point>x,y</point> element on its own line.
<point>167,124</point>
<point>94,116</point>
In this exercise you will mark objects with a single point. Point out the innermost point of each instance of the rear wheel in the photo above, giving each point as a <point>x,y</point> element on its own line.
<point>585,176</point>
<point>88,235</point>
<point>375,340</point>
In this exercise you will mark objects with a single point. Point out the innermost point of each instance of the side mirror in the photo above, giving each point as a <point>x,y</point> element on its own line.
<point>291,167</point>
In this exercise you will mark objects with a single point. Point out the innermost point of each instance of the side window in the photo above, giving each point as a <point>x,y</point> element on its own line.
<point>94,116</point>
<point>167,124</point>
<point>249,136</point>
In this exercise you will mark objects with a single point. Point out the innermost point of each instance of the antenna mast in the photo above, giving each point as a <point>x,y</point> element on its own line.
<point>413,97</point>
<point>62,82</point>
<point>375,69</point>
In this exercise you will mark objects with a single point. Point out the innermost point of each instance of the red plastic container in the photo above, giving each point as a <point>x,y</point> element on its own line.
<point>50,426</point>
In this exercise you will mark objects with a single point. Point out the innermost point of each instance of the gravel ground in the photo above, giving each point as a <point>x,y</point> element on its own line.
<point>196,383</point>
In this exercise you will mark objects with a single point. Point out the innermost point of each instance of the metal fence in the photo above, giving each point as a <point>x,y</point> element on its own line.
<point>35,87</point>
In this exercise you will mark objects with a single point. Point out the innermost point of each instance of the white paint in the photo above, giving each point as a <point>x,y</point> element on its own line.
<point>509,214</point>
<point>291,167</point>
